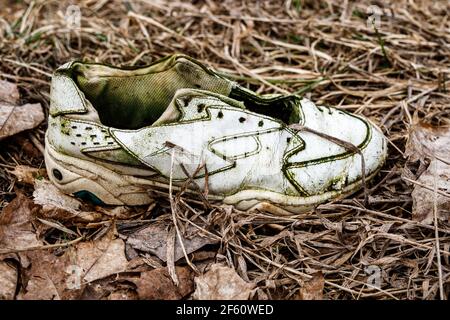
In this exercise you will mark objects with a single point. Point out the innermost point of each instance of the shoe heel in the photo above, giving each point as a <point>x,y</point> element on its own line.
<point>92,182</point>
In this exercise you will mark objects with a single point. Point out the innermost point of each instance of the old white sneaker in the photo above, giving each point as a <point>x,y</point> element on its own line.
<point>114,134</point>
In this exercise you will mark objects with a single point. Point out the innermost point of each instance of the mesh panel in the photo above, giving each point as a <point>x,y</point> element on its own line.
<point>131,99</point>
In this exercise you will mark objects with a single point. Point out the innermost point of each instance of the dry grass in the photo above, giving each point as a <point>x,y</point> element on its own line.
<point>321,49</point>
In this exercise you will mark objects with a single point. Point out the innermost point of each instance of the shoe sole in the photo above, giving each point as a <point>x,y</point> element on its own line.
<point>82,177</point>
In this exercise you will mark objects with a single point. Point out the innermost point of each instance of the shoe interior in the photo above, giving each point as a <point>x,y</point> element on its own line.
<point>131,98</point>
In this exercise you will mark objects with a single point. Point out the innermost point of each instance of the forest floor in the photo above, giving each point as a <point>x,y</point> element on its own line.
<point>395,71</point>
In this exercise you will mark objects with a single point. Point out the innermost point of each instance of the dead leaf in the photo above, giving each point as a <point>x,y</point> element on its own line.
<point>49,278</point>
<point>157,284</point>
<point>16,230</point>
<point>153,239</point>
<point>110,289</point>
<point>342,259</point>
<point>8,281</point>
<point>122,295</point>
<point>101,258</point>
<point>52,277</point>
<point>424,198</point>
<point>27,174</point>
<point>59,206</point>
<point>313,288</point>
<point>15,119</point>
<point>384,261</point>
<point>221,283</point>
<point>9,92</point>
<point>27,147</point>
<point>431,144</point>
<point>426,141</point>
<point>49,197</point>
<point>268,241</point>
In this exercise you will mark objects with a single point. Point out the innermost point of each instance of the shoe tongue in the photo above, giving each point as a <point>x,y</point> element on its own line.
<point>185,97</point>
<point>171,114</point>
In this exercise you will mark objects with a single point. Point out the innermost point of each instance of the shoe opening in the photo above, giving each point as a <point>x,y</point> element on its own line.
<point>132,98</point>
<point>284,108</point>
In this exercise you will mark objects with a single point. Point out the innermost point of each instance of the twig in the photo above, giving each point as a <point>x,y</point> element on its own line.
<point>49,246</point>
<point>436,233</point>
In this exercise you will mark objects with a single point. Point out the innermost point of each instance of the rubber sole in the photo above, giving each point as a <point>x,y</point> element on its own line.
<point>81,177</point>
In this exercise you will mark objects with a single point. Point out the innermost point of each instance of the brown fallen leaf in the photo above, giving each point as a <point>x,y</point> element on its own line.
<point>26,146</point>
<point>101,258</point>
<point>430,144</point>
<point>157,284</point>
<point>49,197</point>
<point>423,198</point>
<point>52,277</point>
<point>153,239</point>
<point>15,119</point>
<point>27,174</point>
<point>49,278</point>
<point>110,289</point>
<point>313,288</point>
<point>16,229</point>
<point>59,206</point>
<point>122,294</point>
<point>16,233</point>
<point>9,92</point>
<point>221,283</point>
<point>268,241</point>
<point>8,281</point>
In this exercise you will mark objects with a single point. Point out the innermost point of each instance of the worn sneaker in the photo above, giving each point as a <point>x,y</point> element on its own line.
<point>115,133</point>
